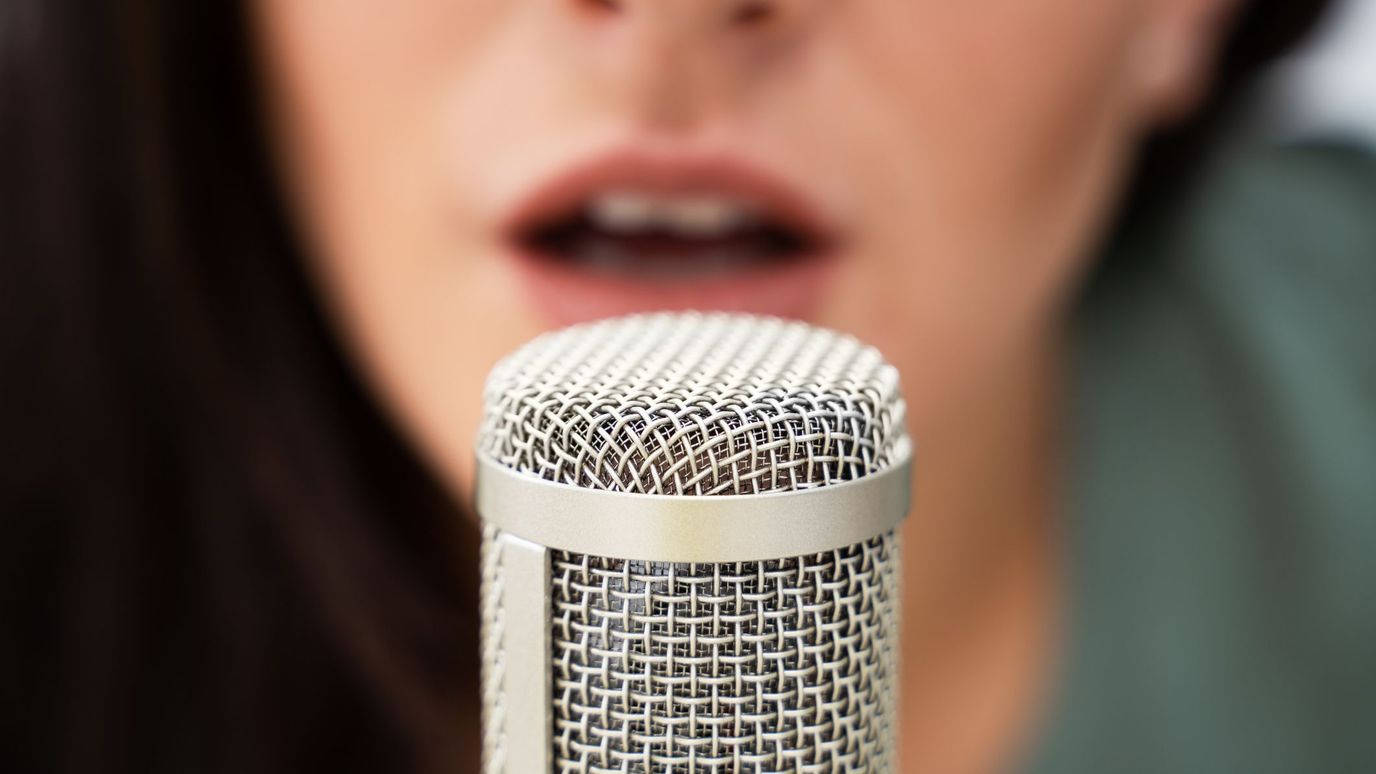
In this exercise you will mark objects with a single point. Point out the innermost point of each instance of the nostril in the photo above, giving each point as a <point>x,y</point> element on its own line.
<point>752,13</point>
<point>601,6</point>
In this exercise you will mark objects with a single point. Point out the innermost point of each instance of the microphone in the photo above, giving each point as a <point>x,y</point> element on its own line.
<point>690,560</point>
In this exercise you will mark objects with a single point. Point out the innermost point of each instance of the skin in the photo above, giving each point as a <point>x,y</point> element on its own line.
<point>970,154</point>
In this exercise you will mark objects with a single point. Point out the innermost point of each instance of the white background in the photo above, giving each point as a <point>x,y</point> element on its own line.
<point>1327,87</point>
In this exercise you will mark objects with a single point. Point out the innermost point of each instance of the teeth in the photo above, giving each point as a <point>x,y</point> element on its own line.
<point>605,257</point>
<point>624,211</point>
<point>703,216</point>
<point>695,216</point>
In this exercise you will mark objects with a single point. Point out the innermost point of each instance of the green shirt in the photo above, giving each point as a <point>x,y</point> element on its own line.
<point>1223,483</point>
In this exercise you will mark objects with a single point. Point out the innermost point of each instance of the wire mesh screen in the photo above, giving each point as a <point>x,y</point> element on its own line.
<point>785,665</point>
<point>694,405</point>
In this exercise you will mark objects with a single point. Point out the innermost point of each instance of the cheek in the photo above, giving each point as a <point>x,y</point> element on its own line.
<point>994,138</point>
<point>357,96</point>
<point>993,119</point>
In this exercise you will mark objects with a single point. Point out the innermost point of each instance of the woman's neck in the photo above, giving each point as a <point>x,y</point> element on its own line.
<point>980,578</point>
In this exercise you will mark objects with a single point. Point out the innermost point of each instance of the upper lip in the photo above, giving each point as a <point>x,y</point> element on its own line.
<point>777,200</point>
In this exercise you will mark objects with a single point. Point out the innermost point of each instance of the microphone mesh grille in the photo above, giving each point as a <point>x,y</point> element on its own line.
<point>783,665</point>
<point>690,404</point>
<point>786,665</point>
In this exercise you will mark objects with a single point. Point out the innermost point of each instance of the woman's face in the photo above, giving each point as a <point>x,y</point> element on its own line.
<point>927,175</point>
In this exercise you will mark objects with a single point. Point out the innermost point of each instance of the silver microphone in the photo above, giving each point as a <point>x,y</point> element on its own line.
<point>690,557</point>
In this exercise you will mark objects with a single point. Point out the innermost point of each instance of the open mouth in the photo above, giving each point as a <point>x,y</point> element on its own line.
<point>656,235</point>
<point>631,232</point>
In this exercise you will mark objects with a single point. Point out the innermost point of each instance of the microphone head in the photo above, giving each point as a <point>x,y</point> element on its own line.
<point>690,557</point>
<point>694,404</point>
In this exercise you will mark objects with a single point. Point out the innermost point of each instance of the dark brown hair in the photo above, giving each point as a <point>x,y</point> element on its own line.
<point>218,556</point>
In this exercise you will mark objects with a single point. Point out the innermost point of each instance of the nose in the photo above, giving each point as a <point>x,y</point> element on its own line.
<point>739,13</point>
<point>678,62</point>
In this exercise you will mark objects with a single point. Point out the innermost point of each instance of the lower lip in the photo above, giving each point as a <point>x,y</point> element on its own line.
<point>564,294</point>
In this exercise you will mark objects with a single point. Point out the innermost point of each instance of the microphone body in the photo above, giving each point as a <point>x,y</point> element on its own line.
<point>690,560</point>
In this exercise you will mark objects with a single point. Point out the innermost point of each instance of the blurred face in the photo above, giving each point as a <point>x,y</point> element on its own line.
<point>926,175</point>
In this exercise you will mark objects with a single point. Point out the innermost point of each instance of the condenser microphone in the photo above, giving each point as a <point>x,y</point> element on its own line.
<point>690,558</point>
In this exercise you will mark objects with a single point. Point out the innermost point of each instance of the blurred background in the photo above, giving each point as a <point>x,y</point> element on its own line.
<point>1329,84</point>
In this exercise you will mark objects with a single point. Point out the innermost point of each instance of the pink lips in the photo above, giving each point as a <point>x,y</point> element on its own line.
<point>564,292</point>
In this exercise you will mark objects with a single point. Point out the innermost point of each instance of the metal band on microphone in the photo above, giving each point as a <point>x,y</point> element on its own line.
<point>681,528</point>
